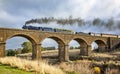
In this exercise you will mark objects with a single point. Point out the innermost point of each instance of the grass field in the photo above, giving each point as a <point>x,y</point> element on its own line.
<point>84,66</point>
<point>10,70</point>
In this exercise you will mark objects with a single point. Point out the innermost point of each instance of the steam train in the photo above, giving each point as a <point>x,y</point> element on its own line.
<point>47,29</point>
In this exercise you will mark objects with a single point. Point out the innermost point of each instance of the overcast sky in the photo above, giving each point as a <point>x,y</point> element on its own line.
<point>14,13</point>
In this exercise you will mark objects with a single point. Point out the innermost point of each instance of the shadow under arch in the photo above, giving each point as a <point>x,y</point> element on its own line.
<point>83,46</point>
<point>61,47</point>
<point>34,50</point>
<point>102,47</point>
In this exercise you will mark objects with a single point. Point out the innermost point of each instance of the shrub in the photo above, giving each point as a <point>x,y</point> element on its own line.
<point>97,70</point>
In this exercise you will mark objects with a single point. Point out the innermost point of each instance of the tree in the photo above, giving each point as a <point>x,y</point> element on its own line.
<point>78,47</point>
<point>27,47</point>
<point>11,52</point>
<point>71,47</point>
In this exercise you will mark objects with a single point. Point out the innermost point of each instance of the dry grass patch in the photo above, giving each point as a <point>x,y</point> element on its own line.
<point>29,65</point>
<point>107,55</point>
<point>83,67</point>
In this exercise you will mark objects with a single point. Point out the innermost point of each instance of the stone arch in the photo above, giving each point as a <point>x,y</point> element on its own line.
<point>25,36</point>
<point>59,40</point>
<point>83,46</point>
<point>102,47</point>
<point>81,41</point>
<point>61,47</point>
<point>100,42</point>
<point>31,39</point>
<point>56,38</point>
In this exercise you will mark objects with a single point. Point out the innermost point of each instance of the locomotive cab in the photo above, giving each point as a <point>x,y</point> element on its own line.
<point>24,27</point>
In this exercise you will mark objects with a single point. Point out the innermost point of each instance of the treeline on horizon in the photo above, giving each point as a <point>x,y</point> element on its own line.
<point>110,23</point>
<point>26,48</point>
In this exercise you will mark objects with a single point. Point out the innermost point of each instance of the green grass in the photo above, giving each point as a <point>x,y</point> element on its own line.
<point>72,72</point>
<point>10,70</point>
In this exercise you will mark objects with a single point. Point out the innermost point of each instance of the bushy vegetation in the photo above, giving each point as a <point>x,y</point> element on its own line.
<point>27,47</point>
<point>97,70</point>
<point>75,47</point>
<point>10,52</point>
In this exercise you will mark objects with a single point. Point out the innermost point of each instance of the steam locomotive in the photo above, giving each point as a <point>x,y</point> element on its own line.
<point>47,29</point>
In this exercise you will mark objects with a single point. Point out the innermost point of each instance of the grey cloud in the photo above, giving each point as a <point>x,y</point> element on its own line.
<point>19,7</point>
<point>16,12</point>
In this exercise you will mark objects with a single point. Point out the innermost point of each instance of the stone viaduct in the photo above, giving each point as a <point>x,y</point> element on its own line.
<point>36,37</point>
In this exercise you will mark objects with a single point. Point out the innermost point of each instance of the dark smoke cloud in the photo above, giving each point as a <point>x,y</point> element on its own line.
<point>62,21</point>
<point>110,24</point>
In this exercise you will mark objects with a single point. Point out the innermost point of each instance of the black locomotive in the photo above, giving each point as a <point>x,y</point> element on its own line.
<point>47,29</point>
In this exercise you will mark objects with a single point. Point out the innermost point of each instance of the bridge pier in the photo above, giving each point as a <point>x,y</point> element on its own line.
<point>89,49</point>
<point>85,50</point>
<point>63,53</point>
<point>102,48</point>
<point>2,49</point>
<point>66,53</point>
<point>36,52</point>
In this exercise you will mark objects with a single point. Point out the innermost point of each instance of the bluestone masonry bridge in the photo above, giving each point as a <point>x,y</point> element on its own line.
<point>36,37</point>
